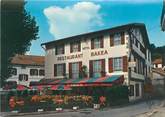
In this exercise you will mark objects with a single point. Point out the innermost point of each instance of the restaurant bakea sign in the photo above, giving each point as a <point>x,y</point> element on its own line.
<point>77,56</point>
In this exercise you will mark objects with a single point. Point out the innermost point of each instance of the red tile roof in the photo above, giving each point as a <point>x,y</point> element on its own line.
<point>28,60</point>
<point>157,61</point>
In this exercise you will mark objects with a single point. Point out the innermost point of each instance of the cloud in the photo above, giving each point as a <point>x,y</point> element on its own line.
<point>73,20</point>
<point>132,1</point>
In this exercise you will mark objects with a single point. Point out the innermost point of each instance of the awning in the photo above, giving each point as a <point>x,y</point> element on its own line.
<point>101,81</point>
<point>52,87</point>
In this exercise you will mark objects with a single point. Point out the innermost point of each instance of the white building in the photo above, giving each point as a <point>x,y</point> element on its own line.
<point>157,63</point>
<point>26,69</point>
<point>105,52</point>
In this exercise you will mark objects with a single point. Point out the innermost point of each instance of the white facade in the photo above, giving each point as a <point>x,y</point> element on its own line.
<point>25,70</point>
<point>138,73</point>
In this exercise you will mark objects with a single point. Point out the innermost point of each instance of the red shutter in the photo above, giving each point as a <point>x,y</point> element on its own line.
<point>80,68</point>
<point>122,38</point>
<point>55,69</point>
<point>63,49</point>
<point>64,69</point>
<point>101,42</point>
<point>79,46</point>
<point>125,64</point>
<point>110,65</point>
<point>92,43</point>
<point>111,40</point>
<point>103,67</point>
<point>70,70</point>
<point>71,47</point>
<point>91,68</point>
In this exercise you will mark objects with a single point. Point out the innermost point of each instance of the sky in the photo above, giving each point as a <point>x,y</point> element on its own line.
<point>63,18</point>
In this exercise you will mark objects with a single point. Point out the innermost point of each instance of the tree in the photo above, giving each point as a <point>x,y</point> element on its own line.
<point>18,29</point>
<point>157,52</point>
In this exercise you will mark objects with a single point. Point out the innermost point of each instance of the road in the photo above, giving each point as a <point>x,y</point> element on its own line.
<point>138,110</point>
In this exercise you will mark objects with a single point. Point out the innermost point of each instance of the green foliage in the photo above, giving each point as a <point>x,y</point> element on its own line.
<point>18,29</point>
<point>157,52</point>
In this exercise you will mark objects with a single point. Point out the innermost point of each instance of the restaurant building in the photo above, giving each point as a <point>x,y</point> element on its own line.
<point>26,69</point>
<point>122,50</point>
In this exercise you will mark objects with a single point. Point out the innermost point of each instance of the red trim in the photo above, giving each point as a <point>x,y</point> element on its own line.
<point>70,70</point>
<point>110,65</point>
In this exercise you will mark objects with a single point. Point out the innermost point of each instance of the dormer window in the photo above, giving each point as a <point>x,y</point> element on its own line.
<point>75,47</point>
<point>97,42</point>
<point>59,49</point>
<point>117,39</point>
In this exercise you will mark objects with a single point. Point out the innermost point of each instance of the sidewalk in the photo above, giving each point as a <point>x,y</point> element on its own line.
<point>143,109</point>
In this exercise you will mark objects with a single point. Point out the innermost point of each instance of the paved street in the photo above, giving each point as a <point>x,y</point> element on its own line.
<point>138,110</point>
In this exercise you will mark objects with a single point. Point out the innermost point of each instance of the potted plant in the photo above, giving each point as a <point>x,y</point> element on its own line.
<point>83,72</point>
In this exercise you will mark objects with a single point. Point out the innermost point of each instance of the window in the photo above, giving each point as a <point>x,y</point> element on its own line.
<point>137,89</point>
<point>34,72</point>
<point>97,42</point>
<point>75,70</point>
<point>97,68</point>
<point>131,90</point>
<point>41,72</point>
<point>60,50</point>
<point>117,64</point>
<point>23,77</point>
<point>13,71</point>
<point>59,69</point>
<point>117,39</point>
<point>75,47</point>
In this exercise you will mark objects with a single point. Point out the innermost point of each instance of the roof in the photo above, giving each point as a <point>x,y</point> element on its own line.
<point>28,60</point>
<point>109,30</point>
<point>159,71</point>
<point>157,61</point>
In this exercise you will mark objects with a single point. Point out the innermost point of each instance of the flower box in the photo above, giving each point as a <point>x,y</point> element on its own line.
<point>40,110</point>
<point>75,107</point>
<point>96,106</point>
<point>59,109</point>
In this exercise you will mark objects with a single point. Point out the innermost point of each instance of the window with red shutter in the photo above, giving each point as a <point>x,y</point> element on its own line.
<point>75,47</point>
<point>110,65</point>
<point>125,64</point>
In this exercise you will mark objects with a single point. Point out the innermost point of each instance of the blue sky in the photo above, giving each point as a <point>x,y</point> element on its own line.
<point>58,19</point>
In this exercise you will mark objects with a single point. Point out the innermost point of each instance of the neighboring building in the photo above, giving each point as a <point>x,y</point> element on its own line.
<point>163,17</point>
<point>157,63</point>
<point>26,69</point>
<point>158,81</point>
<point>105,52</point>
